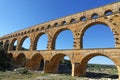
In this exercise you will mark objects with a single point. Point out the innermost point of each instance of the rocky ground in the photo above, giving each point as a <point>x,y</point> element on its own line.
<point>38,75</point>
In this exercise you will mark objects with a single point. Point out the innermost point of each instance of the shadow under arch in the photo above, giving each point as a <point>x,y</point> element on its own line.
<point>84,63</point>
<point>57,34</point>
<point>20,60</point>
<point>36,62</point>
<point>87,26</point>
<point>56,66</point>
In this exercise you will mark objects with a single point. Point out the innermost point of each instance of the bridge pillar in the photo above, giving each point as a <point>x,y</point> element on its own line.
<point>77,44</point>
<point>118,68</point>
<point>50,45</point>
<point>78,70</point>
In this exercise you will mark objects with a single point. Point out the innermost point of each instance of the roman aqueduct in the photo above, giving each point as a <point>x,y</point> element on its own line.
<point>77,23</point>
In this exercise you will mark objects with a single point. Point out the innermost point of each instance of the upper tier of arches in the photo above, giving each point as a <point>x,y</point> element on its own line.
<point>80,17</point>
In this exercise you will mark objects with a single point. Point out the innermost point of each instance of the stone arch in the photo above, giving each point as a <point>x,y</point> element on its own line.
<point>12,47</point>
<point>73,21</point>
<point>35,62</point>
<point>49,26</point>
<point>64,23</point>
<point>85,59</point>
<point>56,24</point>
<point>55,61</point>
<point>37,29</point>
<point>21,42</point>
<point>20,60</point>
<point>94,15</point>
<point>94,23</point>
<point>83,18</point>
<point>56,35</point>
<point>36,40</point>
<point>108,12</point>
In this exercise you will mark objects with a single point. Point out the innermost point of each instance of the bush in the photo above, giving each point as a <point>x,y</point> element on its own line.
<point>23,71</point>
<point>5,61</point>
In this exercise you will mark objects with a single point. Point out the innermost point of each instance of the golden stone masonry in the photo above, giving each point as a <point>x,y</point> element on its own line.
<point>77,23</point>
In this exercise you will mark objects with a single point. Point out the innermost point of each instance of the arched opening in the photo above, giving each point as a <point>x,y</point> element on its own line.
<point>83,18</point>
<point>56,24</point>
<point>41,42</point>
<point>73,21</point>
<point>13,44</point>
<point>108,12</point>
<point>25,43</point>
<point>37,62</point>
<point>20,60</point>
<point>99,66</point>
<point>49,26</point>
<point>94,16</point>
<point>64,23</point>
<point>64,39</point>
<point>98,36</point>
<point>61,64</point>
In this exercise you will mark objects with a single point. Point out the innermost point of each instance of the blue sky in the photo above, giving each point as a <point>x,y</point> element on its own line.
<point>19,14</point>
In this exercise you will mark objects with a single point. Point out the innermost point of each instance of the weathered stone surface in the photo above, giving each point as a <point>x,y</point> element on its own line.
<point>77,24</point>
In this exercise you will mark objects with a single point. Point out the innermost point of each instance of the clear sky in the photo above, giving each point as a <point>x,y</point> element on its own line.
<point>19,14</point>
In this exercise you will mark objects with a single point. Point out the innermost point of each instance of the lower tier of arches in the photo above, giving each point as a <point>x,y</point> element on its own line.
<point>49,61</point>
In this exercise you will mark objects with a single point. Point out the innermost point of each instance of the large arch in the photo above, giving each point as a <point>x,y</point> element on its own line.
<point>22,41</point>
<point>35,45</point>
<point>20,60</point>
<point>83,30</point>
<point>35,63</point>
<point>12,44</point>
<point>55,62</point>
<point>85,60</point>
<point>56,35</point>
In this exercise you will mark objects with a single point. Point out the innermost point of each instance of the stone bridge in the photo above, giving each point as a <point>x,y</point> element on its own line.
<point>77,23</point>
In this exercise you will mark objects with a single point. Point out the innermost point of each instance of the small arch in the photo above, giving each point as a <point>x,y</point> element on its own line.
<point>21,33</point>
<point>108,12</point>
<point>18,34</point>
<point>64,22</point>
<point>49,26</point>
<point>32,30</point>
<point>83,18</point>
<point>56,24</point>
<point>28,31</point>
<point>42,28</point>
<point>37,29</point>
<point>20,60</point>
<point>94,16</point>
<point>25,32</point>
<point>73,21</point>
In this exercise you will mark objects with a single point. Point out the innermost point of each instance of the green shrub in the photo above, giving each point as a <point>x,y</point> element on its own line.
<point>23,71</point>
